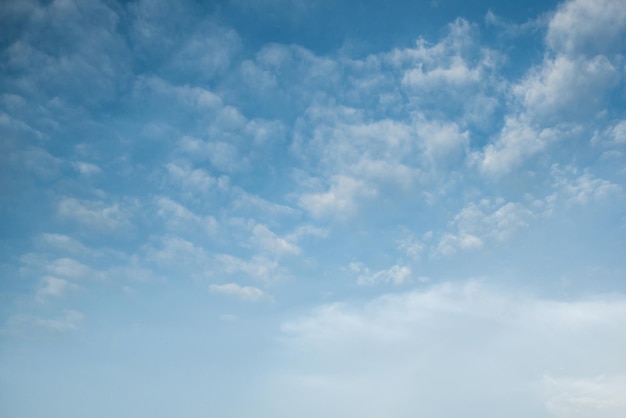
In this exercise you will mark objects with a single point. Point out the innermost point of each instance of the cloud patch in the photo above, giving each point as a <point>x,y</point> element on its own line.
<point>245,293</point>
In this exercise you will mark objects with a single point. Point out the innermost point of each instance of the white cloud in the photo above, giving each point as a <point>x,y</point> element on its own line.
<point>308,231</point>
<point>268,241</point>
<point>207,52</point>
<point>245,200</point>
<point>613,135</point>
<point>396,274</point>
<point>298,70</point>
<point>517,141</point>
<point>570,90</point>
<point>588,26</point>
<point>96,60</point>
<point>265,132</point>
<point>583,189</point>
<point>459,39</point>
<point>95,214</point>
<point>341,140</point>
<point>567,89</point>
<point>173,251</point>
<point>192,180</point>
<point>618,132</point>
<point>62,242</point>
<point>454,341</point>
<point>38,161</point>
<point>259,78</point>
<point>484,221</point>
<point>246,293</point>
<point>450,243</point>
<point>258,267</point>
<point>516,29</point>
<point>72,269</point>
<point>87,169</point>
<point>443,141</point>
<point>180,219</point>
<point>191,98</point>
<point>53,287</point>
<point>587,188</point>
<point>222,155</point>
<point>339,201</point>
<point>411,247</point>
<point>12,124</point>
<point>455,74</point>
<point>386,129</point>
<point>228,317</point>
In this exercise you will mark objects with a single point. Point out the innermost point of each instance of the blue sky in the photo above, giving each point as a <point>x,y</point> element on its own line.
<point>283,208</point>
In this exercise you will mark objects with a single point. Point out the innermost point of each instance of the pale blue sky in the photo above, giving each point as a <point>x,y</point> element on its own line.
<point>290,208</point>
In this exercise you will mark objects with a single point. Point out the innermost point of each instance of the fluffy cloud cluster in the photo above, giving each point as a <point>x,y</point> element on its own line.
<point>178,155</point>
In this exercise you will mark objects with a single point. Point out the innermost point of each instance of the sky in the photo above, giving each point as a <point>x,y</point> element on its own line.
<point>291,208</point>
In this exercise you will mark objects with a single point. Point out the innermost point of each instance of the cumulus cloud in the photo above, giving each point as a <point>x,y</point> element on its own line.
<point>444,142</point>
<point>565,89</point>
<point>340,199</point>
<point>584,188</point>
<point>517,141</point>
<point>588,27</point>
<point>344,140</point>
<point>569,90</point>
<point>611,136</point>
<point>454,76</point>
<point>403,117</point>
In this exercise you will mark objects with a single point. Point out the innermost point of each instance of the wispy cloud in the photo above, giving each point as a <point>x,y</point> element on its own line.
<point>95,214</point>
<point>246,293</point>
<point>29,326</point>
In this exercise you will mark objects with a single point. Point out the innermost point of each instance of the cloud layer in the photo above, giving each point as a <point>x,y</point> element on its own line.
<point>202,197</point>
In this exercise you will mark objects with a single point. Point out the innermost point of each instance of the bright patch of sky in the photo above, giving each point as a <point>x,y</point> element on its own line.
<point>290,208</point>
